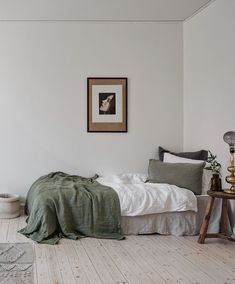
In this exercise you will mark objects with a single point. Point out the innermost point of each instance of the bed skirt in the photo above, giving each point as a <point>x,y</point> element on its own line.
<point>186,223</point>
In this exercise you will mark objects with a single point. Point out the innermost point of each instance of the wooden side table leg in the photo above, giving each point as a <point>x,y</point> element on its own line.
<point>206,220</point>
<point>224,217</point>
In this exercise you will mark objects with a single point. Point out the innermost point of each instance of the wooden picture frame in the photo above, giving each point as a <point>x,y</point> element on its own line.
<point>106,104</point>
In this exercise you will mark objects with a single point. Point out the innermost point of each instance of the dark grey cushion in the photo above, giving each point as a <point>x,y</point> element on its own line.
<point>198,155</point>
<point>181,174</point>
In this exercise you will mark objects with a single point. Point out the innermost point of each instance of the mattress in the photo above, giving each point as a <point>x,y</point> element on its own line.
<point>185,223</point>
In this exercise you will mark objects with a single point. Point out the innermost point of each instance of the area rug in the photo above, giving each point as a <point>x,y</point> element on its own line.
<point>16,263</point>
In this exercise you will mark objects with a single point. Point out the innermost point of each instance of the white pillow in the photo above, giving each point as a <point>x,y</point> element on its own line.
<point>129,178</point>
<point>207,174</point>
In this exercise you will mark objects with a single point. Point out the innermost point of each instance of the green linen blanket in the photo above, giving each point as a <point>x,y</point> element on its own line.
<point>61,205</point>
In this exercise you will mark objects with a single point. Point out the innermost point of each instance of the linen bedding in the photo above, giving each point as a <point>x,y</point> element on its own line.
<point>140,198</point>
<point>185,223</point>
<point>61,205</point>
<point>148,208</point>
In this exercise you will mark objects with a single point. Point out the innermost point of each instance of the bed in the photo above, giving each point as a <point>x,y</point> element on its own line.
<point>61,205</point>
<point>183,217</point>
<point>185,223</point>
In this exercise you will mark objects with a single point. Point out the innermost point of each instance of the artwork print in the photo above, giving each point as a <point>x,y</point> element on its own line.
<point>106,104</point>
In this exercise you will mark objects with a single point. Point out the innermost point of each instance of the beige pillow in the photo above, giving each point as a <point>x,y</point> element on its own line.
<point>207,174</point>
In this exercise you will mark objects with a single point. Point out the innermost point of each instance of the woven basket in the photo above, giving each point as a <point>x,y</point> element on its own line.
<point>9,205</point>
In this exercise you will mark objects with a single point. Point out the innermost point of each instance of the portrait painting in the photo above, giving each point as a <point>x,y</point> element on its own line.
<point>106,104</point>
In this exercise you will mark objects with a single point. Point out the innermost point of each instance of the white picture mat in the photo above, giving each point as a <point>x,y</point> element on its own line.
<point>100,118</point>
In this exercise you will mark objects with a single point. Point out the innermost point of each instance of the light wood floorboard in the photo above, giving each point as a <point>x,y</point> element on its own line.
<point>138,259</point>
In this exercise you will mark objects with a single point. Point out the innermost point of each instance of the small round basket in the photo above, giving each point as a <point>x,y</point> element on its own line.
<point>9,205</point>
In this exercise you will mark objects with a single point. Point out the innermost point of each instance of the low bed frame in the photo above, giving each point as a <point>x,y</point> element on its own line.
<point>173,223</point>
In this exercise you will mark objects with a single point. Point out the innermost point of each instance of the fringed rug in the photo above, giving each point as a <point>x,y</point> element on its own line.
<point>16,263</point>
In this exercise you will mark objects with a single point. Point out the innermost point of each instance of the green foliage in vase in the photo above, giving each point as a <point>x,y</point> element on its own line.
<point>214,166</point>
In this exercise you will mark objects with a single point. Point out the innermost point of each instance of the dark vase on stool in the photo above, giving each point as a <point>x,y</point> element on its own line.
<point>216,183</point>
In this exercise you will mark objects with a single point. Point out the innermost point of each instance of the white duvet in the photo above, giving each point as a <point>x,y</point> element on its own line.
<point>140,198</point>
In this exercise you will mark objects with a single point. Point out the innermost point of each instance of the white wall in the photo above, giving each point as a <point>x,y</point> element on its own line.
<point>209,82</point>
<point>43,71</point>
<point>209,79</point>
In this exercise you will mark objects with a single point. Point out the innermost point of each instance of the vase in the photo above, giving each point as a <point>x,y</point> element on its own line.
<point>216,183</point>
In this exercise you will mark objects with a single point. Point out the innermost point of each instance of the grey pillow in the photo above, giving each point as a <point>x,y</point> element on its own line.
<point>184,175</point>
<point>198,155</point>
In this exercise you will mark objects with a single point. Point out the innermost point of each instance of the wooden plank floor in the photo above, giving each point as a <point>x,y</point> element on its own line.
<point>138,259</point>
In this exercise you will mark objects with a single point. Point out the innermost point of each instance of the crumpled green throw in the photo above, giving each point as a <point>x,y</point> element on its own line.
<point>70,206</point>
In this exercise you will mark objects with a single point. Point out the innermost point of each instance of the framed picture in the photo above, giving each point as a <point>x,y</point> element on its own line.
<point>106,104</point>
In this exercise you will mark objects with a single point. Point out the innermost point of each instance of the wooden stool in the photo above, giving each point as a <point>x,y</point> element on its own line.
<point>223,231</point>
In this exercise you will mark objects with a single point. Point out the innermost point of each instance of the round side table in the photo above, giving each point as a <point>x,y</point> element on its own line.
<point>223,231</point>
